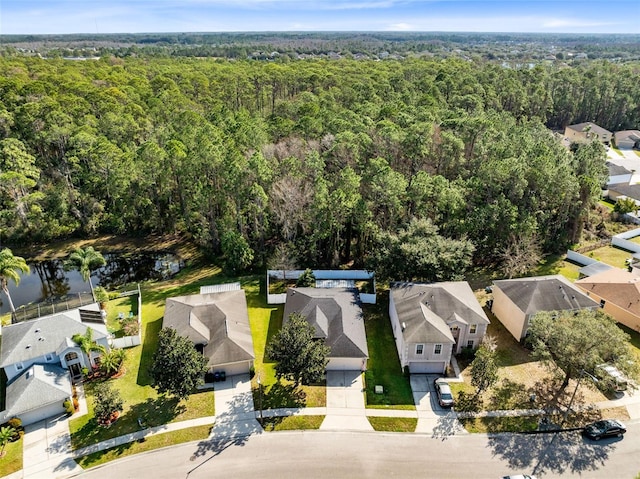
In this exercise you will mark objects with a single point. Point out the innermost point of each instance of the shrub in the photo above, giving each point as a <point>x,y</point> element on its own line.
<point>68,406</point>
<point>15,422</point>
<point>131,328</point>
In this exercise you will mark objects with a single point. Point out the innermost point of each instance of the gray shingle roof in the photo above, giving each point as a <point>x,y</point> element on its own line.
<point>219,321</point>
<point>631,191</point>
<point>335,314</point>
<point>544,293</point>
<point>592,127</point>
<point>427,310</point>
<point>615,170</point>
<point>38,386</point>
<point>31,339</point>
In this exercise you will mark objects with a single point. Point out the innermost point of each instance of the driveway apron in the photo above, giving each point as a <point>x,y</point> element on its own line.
<point>235,413</point>
<point>47,450</point>
<point>345,402</point>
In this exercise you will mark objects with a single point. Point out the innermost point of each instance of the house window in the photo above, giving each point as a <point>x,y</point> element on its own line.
<point>48,357</point>
<point>470,343</point>
<point>437,349</point>
<point>419,349</point>
<point>602,303</point>
<point>473,328</point>
<point>19,366</point>
<point>70,357</point>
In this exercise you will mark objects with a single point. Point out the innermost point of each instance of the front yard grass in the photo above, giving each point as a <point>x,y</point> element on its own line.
<point>500,424</point>
<point>141,400</point>
<point>12,460</point>
<point>152,442</point>
<point>383,367</point>
<point>393,424</point>
<point>292,423</point>
<point>266,320</point>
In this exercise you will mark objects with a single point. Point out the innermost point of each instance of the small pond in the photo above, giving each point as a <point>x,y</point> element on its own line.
<point>48,281</point>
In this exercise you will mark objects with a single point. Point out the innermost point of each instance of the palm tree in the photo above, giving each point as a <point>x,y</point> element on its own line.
<point>6,433</point>
<point>87,344</point>
<point>85,260</point>
<point>10,268</point>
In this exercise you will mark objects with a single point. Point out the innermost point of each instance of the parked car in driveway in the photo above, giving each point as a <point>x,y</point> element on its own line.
<point>445,398</point>
<point>604,428</point>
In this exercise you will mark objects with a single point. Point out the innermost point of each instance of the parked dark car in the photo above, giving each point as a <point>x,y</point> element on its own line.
<point>604,428</point>
<point>520,476</point>
<point>445,398</point>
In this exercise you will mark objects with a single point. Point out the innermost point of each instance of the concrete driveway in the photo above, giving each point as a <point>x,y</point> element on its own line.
<point>432,418</point>
<point>235,412</point>
<point>345,402</point>
<point>47,450</point>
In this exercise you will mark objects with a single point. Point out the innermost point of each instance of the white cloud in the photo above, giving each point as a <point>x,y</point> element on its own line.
<point>400,27</point>
<point>560,23</point>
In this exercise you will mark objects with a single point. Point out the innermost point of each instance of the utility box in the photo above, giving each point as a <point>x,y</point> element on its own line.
<point>379,389</point>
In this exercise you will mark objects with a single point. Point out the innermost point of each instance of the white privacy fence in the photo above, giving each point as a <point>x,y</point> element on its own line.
<point>136,339</point>
<point>622,240</point>
<point>325,278</point>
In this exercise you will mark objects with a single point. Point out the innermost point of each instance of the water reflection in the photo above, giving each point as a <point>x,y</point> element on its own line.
<point>48,280</point>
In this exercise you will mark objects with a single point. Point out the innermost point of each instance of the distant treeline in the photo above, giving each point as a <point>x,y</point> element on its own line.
<point>414,167</point>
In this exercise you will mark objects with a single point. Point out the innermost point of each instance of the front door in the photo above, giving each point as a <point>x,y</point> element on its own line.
<point>75,370</point>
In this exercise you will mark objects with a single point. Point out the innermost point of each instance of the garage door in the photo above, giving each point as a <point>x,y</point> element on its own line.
<point>345,364</point>
<point>435,367</point>
<point>44,412</point>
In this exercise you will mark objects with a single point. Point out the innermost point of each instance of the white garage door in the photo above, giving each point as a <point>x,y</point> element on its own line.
<point>435,367</point>
<point>231,369</point>
<point>44,412</point>
<point>344,364</point>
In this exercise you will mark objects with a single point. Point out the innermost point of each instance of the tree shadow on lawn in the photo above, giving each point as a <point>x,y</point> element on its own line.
<point>153,412</point>
<point>149,346</point>
<point>275,324</point>
<point>280,395</point>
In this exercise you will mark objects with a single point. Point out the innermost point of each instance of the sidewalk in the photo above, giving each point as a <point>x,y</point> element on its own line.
<point>237,417</point>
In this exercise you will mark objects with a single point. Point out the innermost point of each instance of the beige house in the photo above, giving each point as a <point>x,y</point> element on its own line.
<point>618,292</point>
<point>627,139</point>
<point>516,301</point>
<point>431,322</point>
<point>587,132</point>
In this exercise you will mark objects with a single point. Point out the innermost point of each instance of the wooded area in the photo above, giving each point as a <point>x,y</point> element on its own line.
<point>339,161</point>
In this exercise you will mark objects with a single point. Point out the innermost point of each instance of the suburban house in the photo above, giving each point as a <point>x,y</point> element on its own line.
<point>218,326</point>
<point>40,358</point>
<point>516,301</point>
<point>431,322</point>
<point>627,139</point>
<point>624,190</point>
<point>336,315</point>
<point>586,132</point>
<point>618,292</point>
<point>618,174</point>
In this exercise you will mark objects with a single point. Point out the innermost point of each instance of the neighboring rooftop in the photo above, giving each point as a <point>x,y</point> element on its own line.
<point>615,170</point>
<point>617,286</point>
<point>336,315</point>
<point>590,127</point>
<point>27,391</point>
<point>427,310</point>
<point>630,191</point>
<point>544,293</point>
<point>25,341</point>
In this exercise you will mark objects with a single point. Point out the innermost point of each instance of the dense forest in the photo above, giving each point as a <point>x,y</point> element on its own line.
<point>417,167</point>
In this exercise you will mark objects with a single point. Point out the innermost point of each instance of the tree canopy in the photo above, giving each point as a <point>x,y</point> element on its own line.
<point>331,158</point>
<point>574,342</point>
<point>298,356</point>
<point>177,368</point>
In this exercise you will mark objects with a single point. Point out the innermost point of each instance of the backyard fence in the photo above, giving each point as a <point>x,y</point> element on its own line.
<point>622,240</point>
<point>47,308</point>
<point>324,278</point>
<point>136,339</point>
<point>580,258</point>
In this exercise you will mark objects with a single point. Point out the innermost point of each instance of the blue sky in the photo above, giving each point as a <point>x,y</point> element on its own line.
<point>135,16</point>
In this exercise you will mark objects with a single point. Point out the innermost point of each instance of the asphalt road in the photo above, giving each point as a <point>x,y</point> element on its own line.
<point>318,454</point>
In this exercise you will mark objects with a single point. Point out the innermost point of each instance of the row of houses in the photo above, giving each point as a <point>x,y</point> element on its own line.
<point>589,131</point>
<point>430,323</point>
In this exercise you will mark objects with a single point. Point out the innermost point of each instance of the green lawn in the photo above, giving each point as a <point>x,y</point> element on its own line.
<point>557,264</point>
<point>12,460</point>
<point>393,424</point>
<point>608,254</point>
<point>291,423</point>
<point>266,321</point>
<point>152,442</point>
<point>140,398</point>
<point>500,424</point>
<point>383,367</point>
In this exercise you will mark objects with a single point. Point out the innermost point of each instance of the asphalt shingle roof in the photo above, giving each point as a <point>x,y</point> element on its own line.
<point>31,339</point>
<point>616,286</point>
<point>219,321</point>
<point>426,311</point>
<point>544,293</point>
<point>592,127</point>
<point>38,386</point>
<point>336,315</point>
